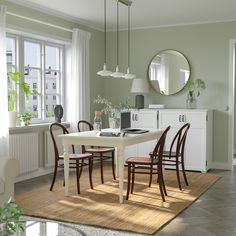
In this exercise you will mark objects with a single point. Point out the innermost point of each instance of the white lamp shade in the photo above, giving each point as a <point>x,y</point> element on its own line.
<point>117,74</point>
<point>104,72</point>
<point>139,86</point>
<point>128,75</point>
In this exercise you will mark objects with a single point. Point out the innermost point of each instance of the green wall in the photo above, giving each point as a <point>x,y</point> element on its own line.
<point>206,46</point>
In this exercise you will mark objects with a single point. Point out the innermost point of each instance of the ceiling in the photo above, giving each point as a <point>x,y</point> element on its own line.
<point>144,13</point>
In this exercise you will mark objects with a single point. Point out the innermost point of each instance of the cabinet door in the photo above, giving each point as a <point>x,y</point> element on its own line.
<point>130,151</point>
<point>145,148</point>
<point>148,119</point>
<point>174,118</point>
<point>134,119</point>
<point>195,155</point>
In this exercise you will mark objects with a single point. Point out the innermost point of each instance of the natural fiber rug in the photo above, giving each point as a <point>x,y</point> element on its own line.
<point>144,212</point>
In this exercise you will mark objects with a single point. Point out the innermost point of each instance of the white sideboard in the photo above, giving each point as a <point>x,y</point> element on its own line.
<point>198,147</point>
<point>144,119</point>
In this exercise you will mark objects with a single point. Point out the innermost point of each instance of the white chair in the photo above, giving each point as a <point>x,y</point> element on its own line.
<point>9,169</point>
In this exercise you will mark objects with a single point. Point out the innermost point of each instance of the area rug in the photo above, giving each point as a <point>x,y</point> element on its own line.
<point>144,212</point>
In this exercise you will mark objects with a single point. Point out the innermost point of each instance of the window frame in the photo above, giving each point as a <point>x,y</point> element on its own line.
<point>20,38</point>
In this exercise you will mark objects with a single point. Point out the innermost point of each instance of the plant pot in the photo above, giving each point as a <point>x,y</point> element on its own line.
<point>11,119</point>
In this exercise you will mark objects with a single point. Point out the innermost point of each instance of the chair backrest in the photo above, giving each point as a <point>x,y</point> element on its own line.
<point>178,141</point>
<point>55,127</point>
<point>84,125</point>
<point>159,148</point>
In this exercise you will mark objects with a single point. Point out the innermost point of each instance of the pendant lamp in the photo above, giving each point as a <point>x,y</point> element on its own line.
<point>128,75</point>
<point>117,73</point>
<point>105,72</point>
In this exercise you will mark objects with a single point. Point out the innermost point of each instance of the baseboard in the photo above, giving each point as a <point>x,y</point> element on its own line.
<point>37,173</point>
<point>221,166</point>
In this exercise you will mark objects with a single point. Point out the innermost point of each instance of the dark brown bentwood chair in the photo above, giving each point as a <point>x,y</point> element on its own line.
<point>99,153</point>
<point>175,156</point>
<point>148,165</point>
<point>76,160</point>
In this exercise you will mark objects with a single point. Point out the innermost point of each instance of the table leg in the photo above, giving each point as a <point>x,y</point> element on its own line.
<point>116,163</point>
<point>120,164</point>
<point>66,169</point>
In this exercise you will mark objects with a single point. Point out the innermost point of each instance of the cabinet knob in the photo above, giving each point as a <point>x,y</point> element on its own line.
<point>136,117</point>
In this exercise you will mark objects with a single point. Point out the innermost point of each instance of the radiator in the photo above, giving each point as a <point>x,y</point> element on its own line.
<point>49,149</point>
<point>24,147</point>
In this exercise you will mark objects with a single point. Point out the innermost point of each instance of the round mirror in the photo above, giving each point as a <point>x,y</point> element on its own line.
<point>168,72</point>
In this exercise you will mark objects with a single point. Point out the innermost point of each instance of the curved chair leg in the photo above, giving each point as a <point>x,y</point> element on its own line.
<point>177,173</point>
<point>101,167</point>
<point>150,179</point>
<point>163,182</point>
<point>113,165</point>
<point>78,174</point>
<point>161,188</point>
<point>133,176</point>
<point>90,172</point>
<point>128,182</point>
<point>81,168</point>
<point>54,177</point>
<point>183,170</point>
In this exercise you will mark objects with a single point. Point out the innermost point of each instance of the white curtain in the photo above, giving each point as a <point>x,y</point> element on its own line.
<point>4,133</point>
<point>78,98</point>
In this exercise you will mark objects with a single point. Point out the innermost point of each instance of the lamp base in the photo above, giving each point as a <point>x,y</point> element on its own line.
<point>139,101</point>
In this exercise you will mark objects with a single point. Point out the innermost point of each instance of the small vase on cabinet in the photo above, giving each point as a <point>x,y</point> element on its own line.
<point>191,102</point>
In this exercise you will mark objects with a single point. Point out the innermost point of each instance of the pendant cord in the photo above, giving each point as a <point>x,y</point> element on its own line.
<point>105,32</point>
<point>128,36</point>
<point>117,33</point>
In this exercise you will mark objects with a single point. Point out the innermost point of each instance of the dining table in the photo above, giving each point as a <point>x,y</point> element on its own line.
<point>120,142</point>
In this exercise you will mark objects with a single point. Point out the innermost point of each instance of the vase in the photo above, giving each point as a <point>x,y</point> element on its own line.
<point>114,121</point>
<point>11,119</point>
<point>58,112</point>
<point>191,102</point>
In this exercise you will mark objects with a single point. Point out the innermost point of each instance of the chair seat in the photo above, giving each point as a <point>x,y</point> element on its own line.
<point>77,156</point>
<point>99,149</point>
<point>141,160</point>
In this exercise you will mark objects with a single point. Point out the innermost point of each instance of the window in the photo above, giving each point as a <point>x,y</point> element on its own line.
<point>42,68</point>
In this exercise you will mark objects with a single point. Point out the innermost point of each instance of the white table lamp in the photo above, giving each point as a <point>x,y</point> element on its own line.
<point>139,86</point>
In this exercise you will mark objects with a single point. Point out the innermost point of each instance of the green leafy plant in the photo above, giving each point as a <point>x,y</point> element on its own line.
<point>24,117</point>
<point>195,87</point>
<point>15,77</point>
<point>9,217</point>
<point>109,108</point>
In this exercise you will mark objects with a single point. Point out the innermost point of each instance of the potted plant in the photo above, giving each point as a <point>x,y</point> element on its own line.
<point>10,214</point>
<point>24,118</point>
<point>194,90</point>
<point>15,78</point>
<point>112,110</point>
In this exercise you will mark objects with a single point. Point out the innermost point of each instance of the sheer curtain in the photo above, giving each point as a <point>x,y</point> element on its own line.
<point>78,97</point>
<point>4,133</point>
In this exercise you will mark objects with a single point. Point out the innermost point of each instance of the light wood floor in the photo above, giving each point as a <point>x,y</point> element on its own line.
<point>213,214</point>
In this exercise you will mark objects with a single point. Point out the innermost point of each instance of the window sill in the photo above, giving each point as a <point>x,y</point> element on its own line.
<point>33,127</point>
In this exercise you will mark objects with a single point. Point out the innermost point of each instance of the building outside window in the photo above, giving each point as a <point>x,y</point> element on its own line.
<point>38,56</point>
